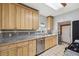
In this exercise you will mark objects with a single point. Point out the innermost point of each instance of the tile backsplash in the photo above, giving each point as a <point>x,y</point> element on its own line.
<point>8,36</point>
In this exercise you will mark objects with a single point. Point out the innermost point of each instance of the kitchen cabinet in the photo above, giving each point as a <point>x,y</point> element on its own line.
<point>32,48</point>
<point>47,42</point>
<point>26,18</point>
<point>12,50</point>
<point>0,15</point>
<point>5,16</point>
<point>49,23</point>
<point>24,48</point>
<point>4,53</point>
<point>12,16</point>
<point>8,16</point>
<point>22,18</point>
<point>18,17</point>
<point>35,20</point>
<point>50,42</point>
<point>30,19</point>
<point>4,50</point>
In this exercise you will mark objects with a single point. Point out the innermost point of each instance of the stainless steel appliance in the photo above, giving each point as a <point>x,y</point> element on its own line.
<point>40,45</point>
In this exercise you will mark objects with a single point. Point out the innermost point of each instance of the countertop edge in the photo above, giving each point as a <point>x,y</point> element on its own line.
<point>14,42</point>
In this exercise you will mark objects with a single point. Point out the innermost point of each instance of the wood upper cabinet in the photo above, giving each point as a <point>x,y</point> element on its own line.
<point>18,17</point>
<point>49,23</point>
<point>30,19</point>
<point>8,16</point>
<point>22,18</point>
<point>35,19</point>
<point>12,16</point>
<point>26,18</point>
<point>5,16</point>
<point>0,15</point>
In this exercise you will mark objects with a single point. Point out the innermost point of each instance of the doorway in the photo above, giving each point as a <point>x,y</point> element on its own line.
<point>64,34</point>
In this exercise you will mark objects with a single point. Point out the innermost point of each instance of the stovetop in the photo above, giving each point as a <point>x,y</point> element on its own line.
<point>74,47</point>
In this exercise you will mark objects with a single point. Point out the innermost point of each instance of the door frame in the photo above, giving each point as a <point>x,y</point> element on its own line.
<point>60,24</point>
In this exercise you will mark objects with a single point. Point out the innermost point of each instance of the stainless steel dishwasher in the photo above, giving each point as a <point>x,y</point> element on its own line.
<point>40,45</point>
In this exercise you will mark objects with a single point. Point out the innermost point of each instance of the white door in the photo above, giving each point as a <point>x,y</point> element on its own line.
<point>66,34</point>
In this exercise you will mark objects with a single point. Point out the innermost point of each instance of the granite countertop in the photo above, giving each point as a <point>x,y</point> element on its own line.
<point>25,38</point>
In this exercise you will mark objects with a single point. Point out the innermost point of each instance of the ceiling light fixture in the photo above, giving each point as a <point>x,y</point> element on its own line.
<point>56,6</point>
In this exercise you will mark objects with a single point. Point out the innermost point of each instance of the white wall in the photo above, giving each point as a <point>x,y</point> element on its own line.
<point>70,16</point>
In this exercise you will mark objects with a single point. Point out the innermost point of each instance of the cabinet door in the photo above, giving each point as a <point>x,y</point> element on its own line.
<point>0,15</point>
<point>26,18</point>
<point>49,23</point>
<point>54,40</point>
<point>4,53</point>
<point>25,50</point>
<point>18,17</point>
<point>22,18</point>
<point>51,42</point>
<point>35,20</point>
<point>30,19</point>
<point>19,51</point>
<point>22,49</point>
<point>5,16</point>
<point>12,16</point>
<point>34,47</point>
<point>12,52</point>
<point>46,44</point>
<point>30,48</point>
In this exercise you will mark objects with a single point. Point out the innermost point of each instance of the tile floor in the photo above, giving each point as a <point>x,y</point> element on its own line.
<point>55,51</point>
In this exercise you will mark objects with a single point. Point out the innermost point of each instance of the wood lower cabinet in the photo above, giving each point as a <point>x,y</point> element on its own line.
<point>22,48</point>
<point>12,50</point>
<point>26,48</point>
<point>32,48</point>
<point>4,50</point>
<point>4,53</point>
<point>50,42</point>
<point>46,43</point>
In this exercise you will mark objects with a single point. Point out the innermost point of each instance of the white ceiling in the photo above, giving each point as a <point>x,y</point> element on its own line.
<point>46,10</point>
